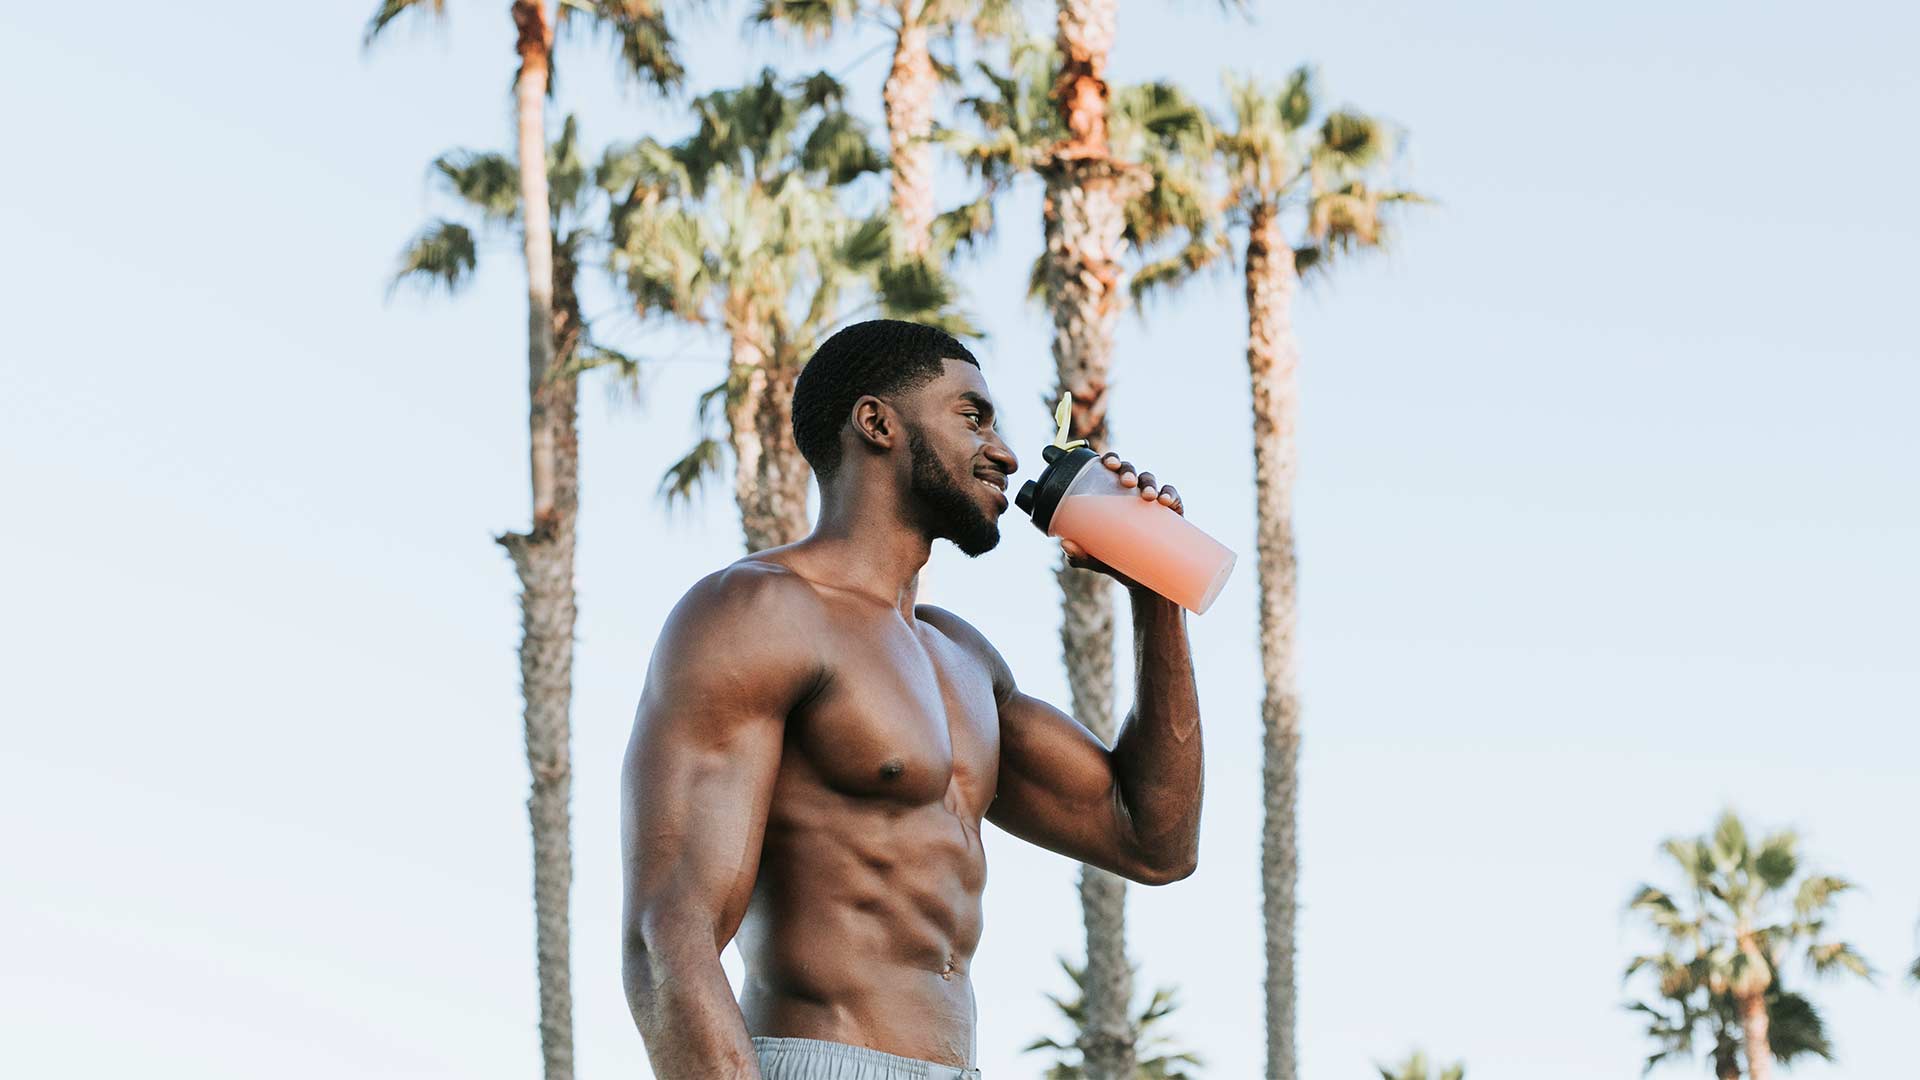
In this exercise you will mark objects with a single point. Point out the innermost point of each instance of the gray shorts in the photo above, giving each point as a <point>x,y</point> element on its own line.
<point>817,1059</point>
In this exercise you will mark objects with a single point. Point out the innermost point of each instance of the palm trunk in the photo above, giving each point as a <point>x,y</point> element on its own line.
<point>1084,226</point>
<point>908,95</point>
<point>530,92</point>
<point>543,558</point>
<point>1753,1021</point>
<point>1750,997</point>
<point>769,473</point>
<point>1272,367</point>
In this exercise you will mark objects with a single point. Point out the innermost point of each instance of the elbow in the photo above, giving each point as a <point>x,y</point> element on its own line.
<point>645,955</point>
<point>1180,871</point>
<point>636,969</point>
<point>1166,872</point>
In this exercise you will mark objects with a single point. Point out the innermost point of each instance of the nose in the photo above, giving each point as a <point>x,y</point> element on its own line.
<point>1002,455</point>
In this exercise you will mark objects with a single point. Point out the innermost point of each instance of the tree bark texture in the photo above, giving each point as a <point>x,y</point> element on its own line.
<point>535,42</point>
<point>543,557</point>
<point>908,96</point>
<point>1753,1021</point>
<point>1272,367</point>
<point>1751,1000</point>
<point>1084,30</point>
<point>769,473</point>
<point>1084,228</point>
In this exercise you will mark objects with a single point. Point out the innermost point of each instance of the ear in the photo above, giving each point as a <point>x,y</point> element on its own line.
<point>875,423</point>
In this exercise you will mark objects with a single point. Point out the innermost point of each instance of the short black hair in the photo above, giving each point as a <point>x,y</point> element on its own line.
<point>880,357</point>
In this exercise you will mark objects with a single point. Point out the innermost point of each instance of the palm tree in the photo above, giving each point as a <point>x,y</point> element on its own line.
<point>1416,1068</point>
<point>1095,211</point>
<point>543,555</point>
<point>914,26</point>
<point>1278,159</point>
<point>1727,940</point>
<point>741,229</point>
<point>1161,136</point>
<point>1083,222</point>
<point>1156,1060</point>
<point>445,254</point>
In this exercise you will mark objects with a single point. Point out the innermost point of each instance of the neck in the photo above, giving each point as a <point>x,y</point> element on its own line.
<point>869,544</point>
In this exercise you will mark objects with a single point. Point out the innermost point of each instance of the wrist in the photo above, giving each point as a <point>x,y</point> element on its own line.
<point>1145,598</point>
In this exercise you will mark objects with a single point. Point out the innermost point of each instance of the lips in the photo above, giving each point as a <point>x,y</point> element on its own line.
<point>997,483</point>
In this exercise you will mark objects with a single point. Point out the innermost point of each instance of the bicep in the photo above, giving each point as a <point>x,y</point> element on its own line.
<point>1057,787</point>
<point>700,769</point>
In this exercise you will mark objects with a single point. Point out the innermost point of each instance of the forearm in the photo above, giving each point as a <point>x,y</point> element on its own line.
<point>1157,756</point>
<point>688,1019</point>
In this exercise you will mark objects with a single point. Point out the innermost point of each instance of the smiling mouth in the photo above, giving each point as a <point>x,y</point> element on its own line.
<point>997,485</point>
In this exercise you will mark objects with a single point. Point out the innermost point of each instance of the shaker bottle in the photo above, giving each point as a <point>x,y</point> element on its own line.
<point>1079,499</point>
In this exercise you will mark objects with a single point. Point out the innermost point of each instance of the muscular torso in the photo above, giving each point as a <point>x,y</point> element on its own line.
<point>866,909</point>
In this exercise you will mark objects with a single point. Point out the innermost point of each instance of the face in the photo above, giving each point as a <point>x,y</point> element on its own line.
<point>960,464</point>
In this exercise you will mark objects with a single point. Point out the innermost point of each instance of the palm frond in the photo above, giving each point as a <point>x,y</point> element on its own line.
<point>839,148</point>
<point>639,33</point>
<point>566,170</point>
<point>640,169</point>
<point>1795,1028</point>
<point>686,477</point>
<point>1294,103</point>
<point>965,228</point>
<point>1416,1067</point>
<point>1153,1059</point>
<point>1816,894</point>
<point>916,290</point>
<point>1310,263</point>
<point>813,20</point>
<point>390,10</point>
<point>1830,956</point>
<point>1351,140</point>
<point>1156,278</point>
<point>866,246</point>
<point>819,90</point>
<point>488,181</point>
<point>993,20</point>
<point>594,357</point>
<point>441,255</point>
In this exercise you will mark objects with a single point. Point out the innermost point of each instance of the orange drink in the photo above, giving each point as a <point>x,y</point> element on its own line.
<point>1077,498</point>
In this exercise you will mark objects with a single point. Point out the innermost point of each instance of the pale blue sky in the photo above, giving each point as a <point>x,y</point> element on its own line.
<point>1607,520</point>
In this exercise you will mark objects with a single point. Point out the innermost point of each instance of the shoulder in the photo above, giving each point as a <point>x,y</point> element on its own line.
<point>750,617</point>
<point>962,633</point>
<point>748,589</point>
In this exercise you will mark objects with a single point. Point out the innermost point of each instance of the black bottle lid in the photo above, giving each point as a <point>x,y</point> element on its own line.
<point>1041,496</point>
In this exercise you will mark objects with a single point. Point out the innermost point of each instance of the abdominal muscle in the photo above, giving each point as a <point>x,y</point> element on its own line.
<point>862,926</point>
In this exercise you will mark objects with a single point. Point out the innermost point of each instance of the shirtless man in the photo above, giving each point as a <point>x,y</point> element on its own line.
<point>814,751</point>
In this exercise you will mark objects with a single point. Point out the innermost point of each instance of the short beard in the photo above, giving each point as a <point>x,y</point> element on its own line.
<point>947,508</point>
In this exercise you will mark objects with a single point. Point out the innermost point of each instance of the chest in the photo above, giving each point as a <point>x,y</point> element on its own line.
<point>907,715</point>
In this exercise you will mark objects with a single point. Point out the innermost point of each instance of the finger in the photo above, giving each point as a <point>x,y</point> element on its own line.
<point>1128,478</point>
<point>1148,488</point>
<point>1170,496</point>
<point>1072,549</point>
<point>1111,459</point>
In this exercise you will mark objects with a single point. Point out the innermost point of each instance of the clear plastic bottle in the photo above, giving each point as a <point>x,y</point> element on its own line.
<point>1079,499</point>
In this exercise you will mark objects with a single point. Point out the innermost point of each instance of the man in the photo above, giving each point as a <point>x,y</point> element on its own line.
<point>814,751</point>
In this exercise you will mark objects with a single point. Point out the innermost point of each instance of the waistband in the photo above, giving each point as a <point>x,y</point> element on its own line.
<point>817,1059</point>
